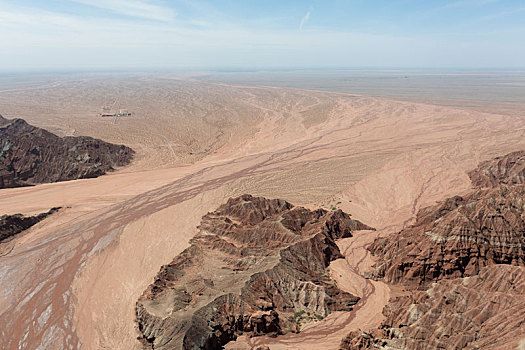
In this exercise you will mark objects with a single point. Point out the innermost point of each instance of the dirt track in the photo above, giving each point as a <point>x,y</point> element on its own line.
<point>75,278</point>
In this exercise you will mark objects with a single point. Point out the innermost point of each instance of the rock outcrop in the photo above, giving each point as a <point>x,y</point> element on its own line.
<point>463,267</point>
<point>457,238</point>
<point>30,155</point>
<point>257,266</point>
<point>11,225</point>
<point>509,170</point>
<point>358,340</point>
<point>486,311</point>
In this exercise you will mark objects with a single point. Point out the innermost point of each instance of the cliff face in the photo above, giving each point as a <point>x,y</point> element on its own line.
<point>463,266</point>
<point>257,266</point>
<point>30,155</point>
<point>481,312</point>
<point>457,238</point>
<point>11,225</point>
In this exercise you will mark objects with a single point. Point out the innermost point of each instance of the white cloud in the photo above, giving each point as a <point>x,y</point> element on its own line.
<point>304,20</point>
<point>133,8</point>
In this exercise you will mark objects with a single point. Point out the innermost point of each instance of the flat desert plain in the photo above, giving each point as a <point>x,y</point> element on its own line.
<point>73,280</point>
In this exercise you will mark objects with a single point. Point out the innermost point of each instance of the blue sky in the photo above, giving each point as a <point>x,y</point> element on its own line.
<point>228,34</point>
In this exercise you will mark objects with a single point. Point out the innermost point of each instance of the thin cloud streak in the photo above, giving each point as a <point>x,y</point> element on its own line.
<point>503,14</point>
<point>133,8</point>
<point>304,20</point>
<point>468,3</point>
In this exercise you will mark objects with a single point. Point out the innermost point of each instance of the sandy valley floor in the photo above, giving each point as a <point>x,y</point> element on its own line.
<point>75,277</point>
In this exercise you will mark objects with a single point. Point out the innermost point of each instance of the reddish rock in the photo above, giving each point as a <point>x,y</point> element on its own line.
<point>481,312</point>
<point>257,266</point>
<point>457,238</point>
<point>463,264</point>
<point>357,340</point>
<point>509,170</point>
<point>30,155</point>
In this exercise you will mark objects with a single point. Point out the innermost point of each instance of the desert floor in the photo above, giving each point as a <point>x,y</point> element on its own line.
<point>75,277</point>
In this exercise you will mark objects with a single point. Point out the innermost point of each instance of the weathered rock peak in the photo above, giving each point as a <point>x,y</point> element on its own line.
<point>257,266</point>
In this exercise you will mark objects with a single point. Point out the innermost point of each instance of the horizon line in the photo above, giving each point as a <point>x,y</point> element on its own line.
<point>251,69</point>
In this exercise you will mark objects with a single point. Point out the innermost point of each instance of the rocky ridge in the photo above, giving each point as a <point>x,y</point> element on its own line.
<point>485,311</point>
<point>31,155</point>
<point>463,265</point>
<point>257,266</point>
<point>457,238</point>
<point>508,170</point>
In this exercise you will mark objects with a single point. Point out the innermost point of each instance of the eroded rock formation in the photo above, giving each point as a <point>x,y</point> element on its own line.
<point>462,264</point>
<point>485,311</point>
<point>509,170</point>
<point>255,267</point>
<point>11,225</point>
<point>30,155</point>
<point>457,238</point>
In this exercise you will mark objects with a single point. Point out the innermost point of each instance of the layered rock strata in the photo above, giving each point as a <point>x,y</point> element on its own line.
<point>257,266</point>
<point>462,265</point>
<point>486,311</point>
<point>457,238</point>
<point>509,170</point>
